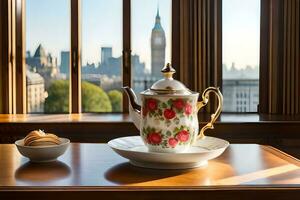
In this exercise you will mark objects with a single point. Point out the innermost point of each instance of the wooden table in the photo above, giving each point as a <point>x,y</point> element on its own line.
<point>86,171</point>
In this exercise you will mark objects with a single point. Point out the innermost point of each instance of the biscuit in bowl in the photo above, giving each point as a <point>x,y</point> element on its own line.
<point>40,138</point>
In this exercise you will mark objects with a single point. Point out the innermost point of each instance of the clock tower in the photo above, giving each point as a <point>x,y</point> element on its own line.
<point>158,48</point>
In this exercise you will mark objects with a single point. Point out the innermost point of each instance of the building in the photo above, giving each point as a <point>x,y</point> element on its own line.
<point>106,53</point>
<point>39,59</point>
<point>92,78</point>
<point>139,68</point>
<point>65,62</point>
<point>141,78</point>
<point>158,48</point>
<point>35,92</point>
<point>107,74</point>
<point>240,89</point>
<point>110,83</point>
<point>44,64</point>
<point>240,95</point>
<point>111,66</point>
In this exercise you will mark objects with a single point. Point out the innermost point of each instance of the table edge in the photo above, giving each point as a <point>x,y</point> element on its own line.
<point>281,154</point>
<point>147,188</point>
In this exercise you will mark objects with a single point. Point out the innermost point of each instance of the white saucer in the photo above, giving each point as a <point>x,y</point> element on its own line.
<point>133,148</point>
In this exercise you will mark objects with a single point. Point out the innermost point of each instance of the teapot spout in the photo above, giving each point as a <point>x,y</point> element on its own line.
<point>134,107</point>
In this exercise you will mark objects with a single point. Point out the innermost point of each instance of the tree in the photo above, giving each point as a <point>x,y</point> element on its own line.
<point>115,97</point>
<point>58,97</point>
<point>94,99</point>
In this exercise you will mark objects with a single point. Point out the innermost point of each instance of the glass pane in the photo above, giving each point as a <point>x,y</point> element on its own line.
<point>151,41</point>
<point>241,27</point>
<point>101,55</point>
<point>47,38</point>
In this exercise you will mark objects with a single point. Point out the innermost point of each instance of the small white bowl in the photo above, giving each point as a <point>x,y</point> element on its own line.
<point>43,153</point>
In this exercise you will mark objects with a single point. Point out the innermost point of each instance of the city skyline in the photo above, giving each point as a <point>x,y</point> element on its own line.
<point>94,35</point>
<point>151,44</point>
<point>246,35</point>
<point>240,86</point>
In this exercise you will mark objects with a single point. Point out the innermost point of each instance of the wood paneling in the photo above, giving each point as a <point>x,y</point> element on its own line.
<point>3,52</point>
<point>291,61</point>
<point>200,44</point>
<point>7,54</point>
<point>279,57</point>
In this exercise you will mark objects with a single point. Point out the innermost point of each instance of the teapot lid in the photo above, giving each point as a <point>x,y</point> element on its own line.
<point>168,85</point>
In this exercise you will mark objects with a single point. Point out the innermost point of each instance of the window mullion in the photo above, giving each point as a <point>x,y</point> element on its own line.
<point>126,49</point>
<point>75,68</point>
<point>20,67</point>
<point>6,56</point>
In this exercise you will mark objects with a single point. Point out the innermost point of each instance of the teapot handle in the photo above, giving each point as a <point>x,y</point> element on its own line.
<point>214,116</point>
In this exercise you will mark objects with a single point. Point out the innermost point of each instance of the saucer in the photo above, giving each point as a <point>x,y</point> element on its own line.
<point>134,149</point>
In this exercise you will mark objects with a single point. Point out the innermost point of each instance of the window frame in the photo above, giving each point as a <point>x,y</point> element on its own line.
<point>7,57</point>
<point>20,105</point>
<point>75,63</point>
<point>75,55</point>
<point>240,110</point>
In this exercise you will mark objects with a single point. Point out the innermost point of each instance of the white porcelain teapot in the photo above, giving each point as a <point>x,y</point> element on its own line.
<point>167,118</point>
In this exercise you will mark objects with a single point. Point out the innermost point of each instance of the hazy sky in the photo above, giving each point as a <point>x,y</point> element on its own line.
<point>241,26</point>
<point>48,22</point>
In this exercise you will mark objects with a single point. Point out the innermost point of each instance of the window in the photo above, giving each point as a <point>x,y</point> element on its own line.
<point>102,37</point>
<point>48,56</point>
<point>47,70</point>
<point>101,72</point>
<point>241,27</point>
<point>150,41</point>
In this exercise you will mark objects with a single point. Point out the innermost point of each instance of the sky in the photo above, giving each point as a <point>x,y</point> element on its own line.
<point>48,23</point>
<point>241,27</point>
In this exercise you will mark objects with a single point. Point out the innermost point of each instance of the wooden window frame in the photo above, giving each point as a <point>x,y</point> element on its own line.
<point>20,66</point>
<point>75,54</point>
<point>7,57</point>
<point>19,82</point>
<point>126,50</point>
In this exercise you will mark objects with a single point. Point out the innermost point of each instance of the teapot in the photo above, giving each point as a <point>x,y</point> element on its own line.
<point>167,117</point>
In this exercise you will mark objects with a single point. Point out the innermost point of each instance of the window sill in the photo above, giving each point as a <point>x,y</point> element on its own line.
<point>66,118</point>
<point>226,118</point>
<point>275,130</point>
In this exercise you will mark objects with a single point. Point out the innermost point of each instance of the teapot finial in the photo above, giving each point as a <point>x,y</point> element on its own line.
<point>168,71</point>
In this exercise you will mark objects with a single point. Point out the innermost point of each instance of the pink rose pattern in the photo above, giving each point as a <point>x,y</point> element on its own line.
<point>154,138</point>
<point>180,135</point>
<point>169,114</point>
<point>172,142</point>
<point>167,110</point>
<point>173,109</point>
<point>183,136</point>
<point>188,109</point>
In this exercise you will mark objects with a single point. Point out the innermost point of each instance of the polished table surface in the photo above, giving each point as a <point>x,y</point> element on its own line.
<point>96,168</point>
